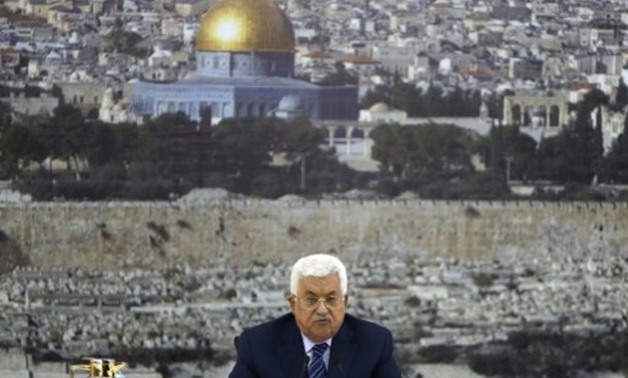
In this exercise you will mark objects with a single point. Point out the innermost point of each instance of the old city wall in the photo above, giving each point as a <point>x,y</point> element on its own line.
<point>117,234</point>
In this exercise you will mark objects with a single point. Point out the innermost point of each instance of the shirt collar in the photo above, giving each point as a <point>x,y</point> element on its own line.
<point>309,344</point>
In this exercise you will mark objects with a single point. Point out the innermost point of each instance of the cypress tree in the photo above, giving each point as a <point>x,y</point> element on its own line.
<point>621,97</point>
<point>598,144</point>
<point>496,164</point>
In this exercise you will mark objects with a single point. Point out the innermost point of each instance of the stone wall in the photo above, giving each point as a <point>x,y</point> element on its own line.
<point>118,234</point>
<point>12,359</point>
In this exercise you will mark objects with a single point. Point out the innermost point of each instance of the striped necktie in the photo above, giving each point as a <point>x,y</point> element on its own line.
<point>317,367</point>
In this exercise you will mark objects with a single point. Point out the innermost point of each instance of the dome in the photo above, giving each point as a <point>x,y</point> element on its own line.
<point>379,107</point>
<point>245,25</point>
<point>290,103</point>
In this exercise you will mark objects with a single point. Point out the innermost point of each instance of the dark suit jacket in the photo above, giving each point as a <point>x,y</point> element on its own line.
<point>360,349</point>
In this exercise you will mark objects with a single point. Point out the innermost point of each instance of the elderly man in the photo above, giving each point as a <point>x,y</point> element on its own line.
<point>317,339</point>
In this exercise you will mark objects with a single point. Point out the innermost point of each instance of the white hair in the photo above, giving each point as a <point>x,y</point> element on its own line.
<point>318,265</point>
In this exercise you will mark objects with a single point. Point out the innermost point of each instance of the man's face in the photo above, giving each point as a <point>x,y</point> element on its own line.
<point>319,321</point>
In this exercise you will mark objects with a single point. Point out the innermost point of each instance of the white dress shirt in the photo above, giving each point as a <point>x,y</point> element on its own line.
<point>308,345</point>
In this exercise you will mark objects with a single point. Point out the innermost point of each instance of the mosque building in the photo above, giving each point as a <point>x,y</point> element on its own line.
<point>245,68</point>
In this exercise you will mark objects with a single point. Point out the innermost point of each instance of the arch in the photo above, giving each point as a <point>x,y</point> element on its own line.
<point>357,133</point>
<point>340,132</point>
<point>541,116</point>
<point>347,137</point>
<point>551,110</point>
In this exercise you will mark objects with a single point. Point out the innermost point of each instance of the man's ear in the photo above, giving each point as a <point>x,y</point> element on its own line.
<point>346,299</point>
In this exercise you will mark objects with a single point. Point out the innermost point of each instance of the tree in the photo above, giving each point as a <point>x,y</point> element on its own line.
<point>433,101</point>
<point>497,162</point>
<point>621,97</point>
<point>170,145</point>
<point>99,147</point>
<point>206,117</point>
<point>373,96</point>
<point>11,255</point>
<point>391,148</point>
<point>615,164</point>
<point>243,146</point>
<point>592,100</point>
<point>553,161</point>
<point>404,96</point>
<point>298,137</point>
<point>598,142</point>
<point>123,41</point>
<point>127,141</point>
<point>5,116</point>
<point>21,145</point>
<point>422,151</point>
<point>92,114</point>
<point>495,103</point>
<point>446,147</point>
<point>519,148</point>
<point>63,135</point>
<point>340,76</point>
<point>14,145</point>
<point>575,154</point>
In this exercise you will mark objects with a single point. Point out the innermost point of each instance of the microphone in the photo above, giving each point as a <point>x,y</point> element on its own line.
<point>306,361</point>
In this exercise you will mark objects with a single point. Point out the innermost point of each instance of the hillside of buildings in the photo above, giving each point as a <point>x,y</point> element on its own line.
<point>555,83</point>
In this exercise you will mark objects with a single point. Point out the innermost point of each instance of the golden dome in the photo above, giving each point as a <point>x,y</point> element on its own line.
<point>245,25</point>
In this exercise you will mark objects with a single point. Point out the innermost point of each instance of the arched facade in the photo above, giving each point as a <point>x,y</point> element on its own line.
<point>348,137</point>
<point>536,111</point>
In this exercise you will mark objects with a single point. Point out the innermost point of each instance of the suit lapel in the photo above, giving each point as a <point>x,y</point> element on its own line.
<point>291,353</point>
<point>343,351</point>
